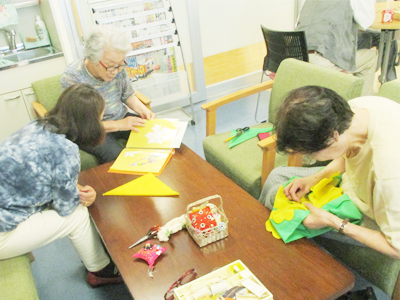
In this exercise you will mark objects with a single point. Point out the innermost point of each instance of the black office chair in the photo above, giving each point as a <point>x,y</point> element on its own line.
<point>281,45</point>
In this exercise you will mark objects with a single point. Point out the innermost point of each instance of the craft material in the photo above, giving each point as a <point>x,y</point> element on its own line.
<point>286,219</point>
<point>206,230</point>
<point>249,134</point>
<point>239,131</point>
<point>149,150</point>
<point>146,185</point>
<point>152,233</point>
<point>225,283</point>
<point>150,253</point>
<point>171,227</point>
<point>263,135</point>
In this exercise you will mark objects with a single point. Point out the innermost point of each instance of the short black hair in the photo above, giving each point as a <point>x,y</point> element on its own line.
<point>308,118</point>
<point>77,114</point>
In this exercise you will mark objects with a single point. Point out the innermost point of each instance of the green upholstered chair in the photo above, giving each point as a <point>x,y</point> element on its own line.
<point>390,90</point>
<point>16,279</point>
<point>47,91</point>
<point>249,164</point>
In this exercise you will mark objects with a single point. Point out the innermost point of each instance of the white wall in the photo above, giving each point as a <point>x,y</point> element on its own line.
<point>231,24</point>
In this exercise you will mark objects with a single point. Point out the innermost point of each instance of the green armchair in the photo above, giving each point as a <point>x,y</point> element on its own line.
<point>16,279</point>
<point>47,91</point>
<point>250,163</point>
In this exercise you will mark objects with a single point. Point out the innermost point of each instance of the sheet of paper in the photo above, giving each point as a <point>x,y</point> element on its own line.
<point>181,129</point>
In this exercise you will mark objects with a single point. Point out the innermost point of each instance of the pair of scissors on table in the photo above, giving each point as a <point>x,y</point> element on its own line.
<point>150,235</point>
<point>239,131</point>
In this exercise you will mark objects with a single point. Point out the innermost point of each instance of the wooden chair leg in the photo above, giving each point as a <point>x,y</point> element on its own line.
<point>396,291</point>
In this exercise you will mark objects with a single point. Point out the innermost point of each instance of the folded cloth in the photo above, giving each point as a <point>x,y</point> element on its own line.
<point>286,218</point>
<point>246,135</point>
<point>8,14</point>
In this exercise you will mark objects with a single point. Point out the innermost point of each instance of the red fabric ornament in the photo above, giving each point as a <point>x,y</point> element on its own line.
<point>150,253</point>
<point>202,219</point>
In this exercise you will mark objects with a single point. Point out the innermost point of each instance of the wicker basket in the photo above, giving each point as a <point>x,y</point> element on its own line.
<point>212,234</point>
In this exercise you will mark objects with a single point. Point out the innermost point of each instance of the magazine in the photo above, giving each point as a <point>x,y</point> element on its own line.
<point>145,65</point>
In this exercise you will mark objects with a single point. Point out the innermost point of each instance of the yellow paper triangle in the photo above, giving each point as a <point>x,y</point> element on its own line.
<point>146,185</point>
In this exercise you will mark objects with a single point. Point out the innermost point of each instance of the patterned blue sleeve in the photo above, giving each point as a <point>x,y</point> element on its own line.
<point>64,191</point>
<point>127,89</point>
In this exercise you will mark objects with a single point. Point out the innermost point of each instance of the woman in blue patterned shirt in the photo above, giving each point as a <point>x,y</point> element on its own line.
<point>40,198</point>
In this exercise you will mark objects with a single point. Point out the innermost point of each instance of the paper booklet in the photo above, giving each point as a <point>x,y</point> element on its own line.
<point>149,150</point>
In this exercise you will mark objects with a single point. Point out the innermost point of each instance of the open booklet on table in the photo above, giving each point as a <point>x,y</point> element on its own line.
<point>149,150</point>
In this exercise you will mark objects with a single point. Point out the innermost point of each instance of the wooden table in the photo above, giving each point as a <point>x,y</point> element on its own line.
<point>387,35</point>
<point>298,270</point>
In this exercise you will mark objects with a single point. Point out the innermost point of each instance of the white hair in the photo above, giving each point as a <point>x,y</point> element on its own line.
<point>104,37</point>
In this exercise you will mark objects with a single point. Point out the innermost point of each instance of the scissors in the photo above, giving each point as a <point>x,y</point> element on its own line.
<point>152,233</point>
<point>239,131</point>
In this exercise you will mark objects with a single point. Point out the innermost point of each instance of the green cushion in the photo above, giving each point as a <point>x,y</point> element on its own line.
<point>16,279</point>
<point>47,91</point>
<point>87,160</point>
<point>241,163</point>
<point>390,90</point>
<point>379,269</point>
<point>293,73</point>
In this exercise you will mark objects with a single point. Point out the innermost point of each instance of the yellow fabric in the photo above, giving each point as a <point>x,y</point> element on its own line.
<point>322,193</point>
<point>146,185</point>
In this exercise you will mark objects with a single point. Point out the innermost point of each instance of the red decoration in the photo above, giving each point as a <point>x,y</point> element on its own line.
<point>202,219</point>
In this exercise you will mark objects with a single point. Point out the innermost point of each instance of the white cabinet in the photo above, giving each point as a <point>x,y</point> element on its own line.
<point>29,97</point>
<point>13,113</point>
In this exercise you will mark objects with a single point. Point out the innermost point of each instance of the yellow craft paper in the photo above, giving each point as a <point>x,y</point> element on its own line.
<point>157,134</point>
<point>146,185</point>
<point>141,161</point>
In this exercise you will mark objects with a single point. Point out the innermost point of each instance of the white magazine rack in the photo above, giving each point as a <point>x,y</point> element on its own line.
<point>152,65</point>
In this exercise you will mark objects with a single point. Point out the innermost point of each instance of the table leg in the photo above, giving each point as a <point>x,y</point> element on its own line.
<point>388,37</point>
<point>381,48</point>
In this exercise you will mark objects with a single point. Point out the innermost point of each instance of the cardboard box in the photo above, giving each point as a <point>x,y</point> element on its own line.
<point>222,279</point>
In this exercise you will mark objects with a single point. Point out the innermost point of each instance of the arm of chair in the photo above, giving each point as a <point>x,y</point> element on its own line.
<point>268,146</point>
<point>39,109</point>
<point>211,107</point>
<point>146,101</point>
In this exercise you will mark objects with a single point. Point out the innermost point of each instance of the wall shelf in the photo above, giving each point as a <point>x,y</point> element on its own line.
<point>22,4</point>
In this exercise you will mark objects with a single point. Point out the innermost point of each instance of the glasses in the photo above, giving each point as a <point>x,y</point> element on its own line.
<point>185,278</point>
<point>112,69</point>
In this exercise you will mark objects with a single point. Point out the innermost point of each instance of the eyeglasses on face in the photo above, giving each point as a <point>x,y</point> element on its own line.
<point>113,69</point>
<point>185,278</point>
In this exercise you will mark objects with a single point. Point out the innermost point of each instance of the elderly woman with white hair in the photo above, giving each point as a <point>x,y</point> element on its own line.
<point>104,69</point>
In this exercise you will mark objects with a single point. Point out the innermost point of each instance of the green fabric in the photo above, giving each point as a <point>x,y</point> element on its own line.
<point>293,230</point>
<point>326,194</point>
<point>16,279</point>
<point>377,268</point>
<point>390,90</point>
<point>252,132</point>
<point>293,74</point>
<point>242,163</point>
